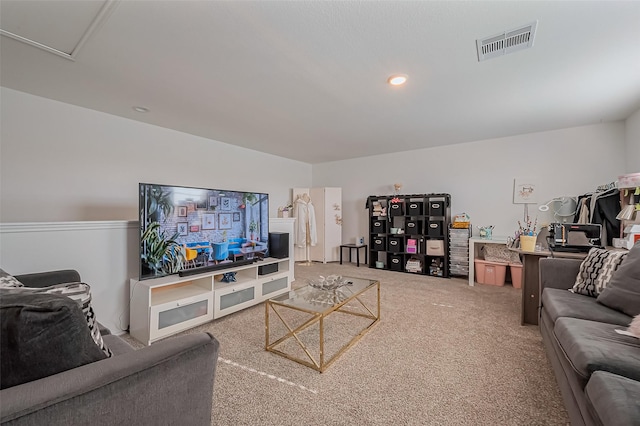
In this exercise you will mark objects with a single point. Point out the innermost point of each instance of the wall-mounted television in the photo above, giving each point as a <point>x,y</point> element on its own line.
<point>185,229</point>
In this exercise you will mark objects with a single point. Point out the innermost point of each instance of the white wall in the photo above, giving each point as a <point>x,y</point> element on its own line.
<point>60,162</point>
<point>69,189</point>
<point>103,252</point>
<point>480,175</point>
<point>633,142</point>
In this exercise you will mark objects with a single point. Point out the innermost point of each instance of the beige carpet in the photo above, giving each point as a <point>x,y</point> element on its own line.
<point>444,353</point>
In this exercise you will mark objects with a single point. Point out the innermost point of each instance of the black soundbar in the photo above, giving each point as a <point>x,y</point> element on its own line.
<point>217,267</point>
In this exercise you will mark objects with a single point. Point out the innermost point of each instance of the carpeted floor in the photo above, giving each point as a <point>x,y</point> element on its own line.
<point>443,353</point>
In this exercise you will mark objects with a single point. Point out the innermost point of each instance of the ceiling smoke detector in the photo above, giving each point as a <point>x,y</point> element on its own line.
<point>506,42</point>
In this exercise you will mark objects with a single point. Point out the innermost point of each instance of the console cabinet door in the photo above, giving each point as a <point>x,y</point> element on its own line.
<point>234,298</point>
<point>172,317</point>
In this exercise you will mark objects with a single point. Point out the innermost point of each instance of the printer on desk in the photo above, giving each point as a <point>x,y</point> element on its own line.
<point>574,237</point>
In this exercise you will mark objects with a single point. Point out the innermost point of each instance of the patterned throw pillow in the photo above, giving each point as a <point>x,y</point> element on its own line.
<point>8,280</point>
<point>596,271</point>
<point>81,293</point>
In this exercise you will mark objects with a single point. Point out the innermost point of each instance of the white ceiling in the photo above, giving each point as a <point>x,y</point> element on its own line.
<point>306,80</point>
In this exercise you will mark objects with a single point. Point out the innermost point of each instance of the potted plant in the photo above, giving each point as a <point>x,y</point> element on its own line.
<point>253,227</point>
<point>159,200</point>
<point>161,254</point>
<point>248,197</point>
<point>285,211</point>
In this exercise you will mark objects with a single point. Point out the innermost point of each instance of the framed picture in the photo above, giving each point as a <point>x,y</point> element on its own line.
<point>191,207</point>
<point>224,221</point>
<point>213,201</point>
<point>225,203</point>
<point>183,229</point>
<point>194,228</point>
<point>236,217</point>
<point>182,211</point>
<point>208,221</point>
<point>524,191</point>
<point>201,204</point>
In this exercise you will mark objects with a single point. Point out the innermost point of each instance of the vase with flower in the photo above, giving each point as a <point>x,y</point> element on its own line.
<point>286,210</point>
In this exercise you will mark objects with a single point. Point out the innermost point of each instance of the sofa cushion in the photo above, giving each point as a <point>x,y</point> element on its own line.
<point>613,399</point>
<point>592,346</point>
<point>41,335</point>
<point>623,292</point>
<point>562,303</point>
<point>596,271</point>
<point>49,278</point>
<point>81,294</point>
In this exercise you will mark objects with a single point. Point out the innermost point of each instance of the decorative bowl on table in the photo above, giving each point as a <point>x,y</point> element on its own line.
<point>330,282</point>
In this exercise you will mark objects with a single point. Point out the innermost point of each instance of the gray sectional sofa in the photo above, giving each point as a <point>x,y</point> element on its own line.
<point>169,382</point>
<point>597,369</point>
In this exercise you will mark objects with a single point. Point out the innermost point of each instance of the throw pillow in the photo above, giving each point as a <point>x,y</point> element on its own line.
<point>81,294</point>
<point>8,280</point>
<point>596,271</point>
<point>40,335</point>
<point>623,292</point>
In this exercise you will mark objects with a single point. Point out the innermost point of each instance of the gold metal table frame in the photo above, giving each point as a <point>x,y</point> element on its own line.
<point>318,316</point>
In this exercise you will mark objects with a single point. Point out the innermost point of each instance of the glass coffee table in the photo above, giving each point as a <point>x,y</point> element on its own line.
<point>309,319</point>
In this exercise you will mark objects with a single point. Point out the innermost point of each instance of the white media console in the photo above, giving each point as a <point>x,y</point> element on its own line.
<point>161,307</point>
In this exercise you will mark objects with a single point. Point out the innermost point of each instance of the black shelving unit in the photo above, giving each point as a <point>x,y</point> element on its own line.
<point>408,233</point>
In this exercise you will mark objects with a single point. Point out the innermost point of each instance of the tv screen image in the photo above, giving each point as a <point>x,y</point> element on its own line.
<point>185,228</point>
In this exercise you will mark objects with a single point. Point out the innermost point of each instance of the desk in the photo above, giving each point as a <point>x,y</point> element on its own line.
<point>531,297</point>
<point>357,248</point>
<point>472,252</point>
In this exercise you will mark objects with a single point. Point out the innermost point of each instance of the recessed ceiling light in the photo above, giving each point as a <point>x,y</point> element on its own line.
<point>397,79</point>
<point>140,109</point>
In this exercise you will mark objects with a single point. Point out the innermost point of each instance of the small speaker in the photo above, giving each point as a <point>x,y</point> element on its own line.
<point>267,269</point>
<point>279,244</point>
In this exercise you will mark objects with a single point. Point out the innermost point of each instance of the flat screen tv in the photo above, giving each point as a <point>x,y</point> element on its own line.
<point>186,230</point>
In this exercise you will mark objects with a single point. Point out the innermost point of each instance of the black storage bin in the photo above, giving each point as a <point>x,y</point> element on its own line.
<point>379,243</point>
<point>414,208</point>
<point>436,207</point>
<point>379,226</point>
<point>412,227</point>
<point>396,209</point>
<point>435,228</point>
<point>395,244</point>
<point>395,262</point>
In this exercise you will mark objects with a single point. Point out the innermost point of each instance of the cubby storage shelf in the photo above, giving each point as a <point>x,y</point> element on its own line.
<point>423,220</point>
<point>161,307</point>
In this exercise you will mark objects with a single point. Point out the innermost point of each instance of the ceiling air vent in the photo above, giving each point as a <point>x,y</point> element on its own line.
<point>506,42</point>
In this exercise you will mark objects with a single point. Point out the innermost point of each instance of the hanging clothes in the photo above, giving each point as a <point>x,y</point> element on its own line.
<point>583,210</point>
<point>306,232</point>
<point>605,209</point>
